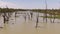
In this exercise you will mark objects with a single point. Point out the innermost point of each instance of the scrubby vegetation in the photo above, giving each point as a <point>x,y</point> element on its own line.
<point>55,12</point>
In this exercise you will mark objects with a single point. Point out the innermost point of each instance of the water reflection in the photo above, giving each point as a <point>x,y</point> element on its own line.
<point>23,24</point>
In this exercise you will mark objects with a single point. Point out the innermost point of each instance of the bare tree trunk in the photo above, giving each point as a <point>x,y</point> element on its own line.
<point>46,18</point>
<point>31,15</point>
<point>8,17</point>
<point>43,18</point>
<point>54,18</point>
<point>45,11</point>
<point>51,19</point>
<point>15,16</point>
<point>4,17</point>
<point>37,20</point>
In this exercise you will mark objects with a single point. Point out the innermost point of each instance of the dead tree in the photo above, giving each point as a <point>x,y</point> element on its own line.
<point>15,15</point>
<point>46,10</point>
<point>31,14</point>
<point>50,17</point>
<point>54,16</point>
<point>4,17</point>
<point>45,14</point>
<point>37,20</point>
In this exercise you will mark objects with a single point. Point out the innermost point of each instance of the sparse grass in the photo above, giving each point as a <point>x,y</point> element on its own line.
<point>57,17</point>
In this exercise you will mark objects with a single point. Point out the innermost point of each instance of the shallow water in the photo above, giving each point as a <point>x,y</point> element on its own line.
<point>18,25</point>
